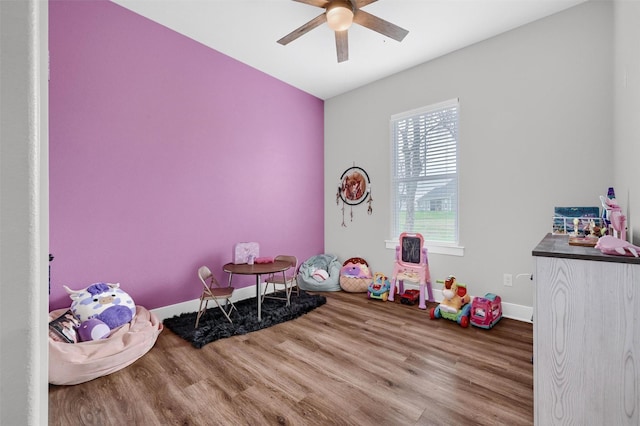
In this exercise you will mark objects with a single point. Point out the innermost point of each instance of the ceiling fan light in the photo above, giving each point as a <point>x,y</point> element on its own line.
<point>339,17</point>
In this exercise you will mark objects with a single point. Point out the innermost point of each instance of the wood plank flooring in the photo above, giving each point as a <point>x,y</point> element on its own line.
<point>353,361</point>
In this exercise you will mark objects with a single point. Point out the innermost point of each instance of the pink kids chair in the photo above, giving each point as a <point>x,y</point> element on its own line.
<point>411,265</point>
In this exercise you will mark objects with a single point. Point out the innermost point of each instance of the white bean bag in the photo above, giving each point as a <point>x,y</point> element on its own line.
<point>73,363</point>
<point>310,277</point>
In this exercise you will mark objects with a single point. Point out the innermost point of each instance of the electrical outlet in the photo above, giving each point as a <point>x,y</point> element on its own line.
<point>507,280</point>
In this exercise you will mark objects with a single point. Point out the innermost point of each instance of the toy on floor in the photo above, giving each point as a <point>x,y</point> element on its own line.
<point>486,311</point>
<point>409,297</point>
<point>455,305</point>
<point>412,265</point>
<point>379,288</point>
<point>355,275</point>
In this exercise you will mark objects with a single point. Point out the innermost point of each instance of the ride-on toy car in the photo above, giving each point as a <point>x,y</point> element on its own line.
<point>455,306</point>
<point>379,288</point>
<point>461,316</point>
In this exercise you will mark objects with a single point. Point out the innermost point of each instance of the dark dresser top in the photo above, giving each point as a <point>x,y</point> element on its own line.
<point>558,246</point>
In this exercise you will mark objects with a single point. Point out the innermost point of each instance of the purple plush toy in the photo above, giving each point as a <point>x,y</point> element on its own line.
<point>104,301</point>
<point>93,329</point>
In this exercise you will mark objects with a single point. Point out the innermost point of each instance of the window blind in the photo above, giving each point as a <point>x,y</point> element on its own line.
<point>425,172</point>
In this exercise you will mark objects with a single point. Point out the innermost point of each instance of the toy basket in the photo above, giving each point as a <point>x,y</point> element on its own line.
<point>351,283</point>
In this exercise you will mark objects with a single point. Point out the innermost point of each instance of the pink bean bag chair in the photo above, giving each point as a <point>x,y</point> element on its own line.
<point>73,363</point>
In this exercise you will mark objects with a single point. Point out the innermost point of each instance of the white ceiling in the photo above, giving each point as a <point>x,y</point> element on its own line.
<point>247,30</point>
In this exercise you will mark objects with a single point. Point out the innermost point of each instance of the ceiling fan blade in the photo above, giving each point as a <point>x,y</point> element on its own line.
<point>379,25</point>
<point>342,45</point>
<point>363,3</point>
<point>317,3</point>
<point>318,20</point>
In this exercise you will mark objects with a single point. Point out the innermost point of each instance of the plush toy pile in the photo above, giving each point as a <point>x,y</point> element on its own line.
<point>95,311</point>
<point>109,331</point>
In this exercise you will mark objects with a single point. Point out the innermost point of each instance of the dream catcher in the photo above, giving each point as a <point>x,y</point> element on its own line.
<point>354,189</point>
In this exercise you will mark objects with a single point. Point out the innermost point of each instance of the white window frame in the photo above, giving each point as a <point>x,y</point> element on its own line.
<point>440,247</point>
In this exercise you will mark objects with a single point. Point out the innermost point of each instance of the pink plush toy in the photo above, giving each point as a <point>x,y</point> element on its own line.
<point>615,216</point>
<point>320,274</point>
<point>613,245</point>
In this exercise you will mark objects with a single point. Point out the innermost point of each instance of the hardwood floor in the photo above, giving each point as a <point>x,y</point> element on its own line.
<point>353,361</point>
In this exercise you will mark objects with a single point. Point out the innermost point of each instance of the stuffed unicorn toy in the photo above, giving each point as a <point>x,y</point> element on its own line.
<point>615,216</point>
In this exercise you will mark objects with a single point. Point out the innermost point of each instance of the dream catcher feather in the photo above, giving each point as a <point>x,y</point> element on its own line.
<point>354,189</point>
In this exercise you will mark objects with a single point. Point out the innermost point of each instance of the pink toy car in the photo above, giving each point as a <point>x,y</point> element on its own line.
<point>486,311</point>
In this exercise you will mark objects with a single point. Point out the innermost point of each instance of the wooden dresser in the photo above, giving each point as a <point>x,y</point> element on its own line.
<point>586,336</point>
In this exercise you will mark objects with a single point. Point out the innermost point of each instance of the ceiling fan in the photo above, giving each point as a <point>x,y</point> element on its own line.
<point>339,15</point>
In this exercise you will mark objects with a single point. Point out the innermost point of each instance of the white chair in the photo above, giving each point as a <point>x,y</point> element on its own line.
<point>211,290</point>
<point>286,279</point>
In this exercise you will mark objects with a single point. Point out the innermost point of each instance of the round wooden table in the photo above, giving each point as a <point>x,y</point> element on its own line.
<point>256,269</point>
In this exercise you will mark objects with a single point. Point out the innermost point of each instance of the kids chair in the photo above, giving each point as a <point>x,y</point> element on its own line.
<point>411,265</point>
<point>288,281</point>
<point>211,290</point>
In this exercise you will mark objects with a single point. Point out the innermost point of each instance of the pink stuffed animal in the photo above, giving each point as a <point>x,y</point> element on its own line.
<point>615,216</point>
<point>613,245</point>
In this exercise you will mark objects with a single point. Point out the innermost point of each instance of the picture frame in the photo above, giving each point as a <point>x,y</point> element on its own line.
<point>563,219</point>
<point>355,186</point>
<point>63,328</point>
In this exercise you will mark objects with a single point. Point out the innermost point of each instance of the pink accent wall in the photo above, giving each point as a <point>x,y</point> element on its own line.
<point>164,153</point>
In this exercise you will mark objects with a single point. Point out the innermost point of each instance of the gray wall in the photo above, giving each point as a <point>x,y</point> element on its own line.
<point>24,232</point>
<point>626,82</point>
<point>535,132</point>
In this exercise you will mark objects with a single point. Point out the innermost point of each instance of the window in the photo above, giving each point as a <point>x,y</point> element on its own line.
<point>425,173</point>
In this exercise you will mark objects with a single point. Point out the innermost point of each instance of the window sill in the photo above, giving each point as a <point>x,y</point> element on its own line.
<point>433,248</point>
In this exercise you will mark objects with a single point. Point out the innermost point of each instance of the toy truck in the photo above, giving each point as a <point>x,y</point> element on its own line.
<point>486,311</point>
<point>409,297</point>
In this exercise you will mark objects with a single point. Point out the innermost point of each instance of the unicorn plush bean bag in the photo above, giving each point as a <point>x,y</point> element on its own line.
<point>103,301</point>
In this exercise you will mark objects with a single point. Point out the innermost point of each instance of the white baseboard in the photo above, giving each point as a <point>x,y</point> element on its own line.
<point>509,310</point>
<point>517,312</point>
<point>192,305</point>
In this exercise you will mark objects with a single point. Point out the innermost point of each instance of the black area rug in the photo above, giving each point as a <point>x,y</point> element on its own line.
<point>213,324</point>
